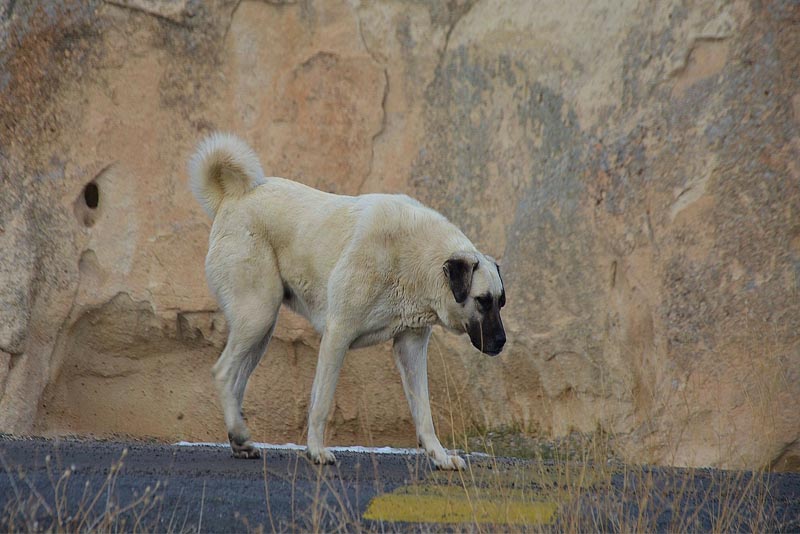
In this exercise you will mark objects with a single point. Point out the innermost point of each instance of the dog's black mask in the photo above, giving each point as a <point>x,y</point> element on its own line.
<point>487,334</point>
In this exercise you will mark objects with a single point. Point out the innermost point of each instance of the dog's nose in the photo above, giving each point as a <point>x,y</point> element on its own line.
<point>496,346</point>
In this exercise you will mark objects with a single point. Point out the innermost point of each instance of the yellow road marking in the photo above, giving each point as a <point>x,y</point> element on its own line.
<point>499,495</point>
<point>431,505</point>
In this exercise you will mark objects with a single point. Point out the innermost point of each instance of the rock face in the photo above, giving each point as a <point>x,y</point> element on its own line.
<point>635,169</point>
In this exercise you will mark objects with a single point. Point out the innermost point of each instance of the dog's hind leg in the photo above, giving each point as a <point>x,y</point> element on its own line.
<point>411,356</point>
<point>231,372</point>
<point>251,311</point>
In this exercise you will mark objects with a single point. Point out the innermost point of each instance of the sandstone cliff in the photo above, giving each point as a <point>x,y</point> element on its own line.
<point>635,168</point>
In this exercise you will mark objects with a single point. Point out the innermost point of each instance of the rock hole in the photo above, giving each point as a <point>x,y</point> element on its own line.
<point>87,205</point>
<point>91,195</point>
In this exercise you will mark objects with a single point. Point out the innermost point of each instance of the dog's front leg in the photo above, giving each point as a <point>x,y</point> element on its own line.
<point>411,355</point>
<point>331,354</point>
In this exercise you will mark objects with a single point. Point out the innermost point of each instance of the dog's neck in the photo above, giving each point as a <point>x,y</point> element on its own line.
<point>432,289</point>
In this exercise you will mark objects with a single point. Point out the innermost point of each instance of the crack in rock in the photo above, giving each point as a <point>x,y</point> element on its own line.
<point>170,10</point>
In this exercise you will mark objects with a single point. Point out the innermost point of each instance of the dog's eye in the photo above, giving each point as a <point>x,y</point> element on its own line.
<point>484,301</point>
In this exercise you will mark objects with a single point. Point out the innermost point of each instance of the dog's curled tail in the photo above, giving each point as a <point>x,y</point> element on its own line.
<point>223,166</point>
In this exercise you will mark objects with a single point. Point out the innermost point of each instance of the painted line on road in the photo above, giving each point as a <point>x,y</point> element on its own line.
<point>438,504</point>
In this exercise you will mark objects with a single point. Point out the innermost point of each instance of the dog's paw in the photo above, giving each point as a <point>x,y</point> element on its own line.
<point>321,456</point>
<point>449,462</point>
<point>245,451</point>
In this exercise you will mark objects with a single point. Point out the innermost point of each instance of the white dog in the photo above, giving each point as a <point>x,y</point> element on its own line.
<point>362,270</point>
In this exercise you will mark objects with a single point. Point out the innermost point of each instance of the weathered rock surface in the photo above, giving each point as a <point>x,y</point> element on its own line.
<point>635,169</point>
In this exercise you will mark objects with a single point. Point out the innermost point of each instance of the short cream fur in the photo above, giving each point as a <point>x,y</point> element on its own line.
<point>363,270</point>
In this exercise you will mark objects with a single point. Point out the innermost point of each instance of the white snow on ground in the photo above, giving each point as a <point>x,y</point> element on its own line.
<point>295,447</point>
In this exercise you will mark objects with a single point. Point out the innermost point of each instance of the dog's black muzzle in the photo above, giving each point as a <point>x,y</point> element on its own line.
<point>488,334</point>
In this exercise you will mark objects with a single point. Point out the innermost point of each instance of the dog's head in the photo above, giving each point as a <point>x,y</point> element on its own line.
<point>477,296</point>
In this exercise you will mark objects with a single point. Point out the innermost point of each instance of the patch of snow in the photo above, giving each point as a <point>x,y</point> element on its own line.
<point>295,447</point>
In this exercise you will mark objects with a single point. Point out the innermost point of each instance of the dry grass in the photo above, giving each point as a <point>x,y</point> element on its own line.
<point>67,507</point>
<point>589,491</point>
<point>596,494</point>
<point>594,491</point>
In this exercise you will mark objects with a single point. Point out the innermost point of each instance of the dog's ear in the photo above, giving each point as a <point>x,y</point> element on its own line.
<point>458,270</point>
<point>502,301</point>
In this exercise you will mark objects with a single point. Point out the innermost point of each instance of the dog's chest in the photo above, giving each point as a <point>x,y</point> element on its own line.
<point>399,322</point>
<point>373,338</point>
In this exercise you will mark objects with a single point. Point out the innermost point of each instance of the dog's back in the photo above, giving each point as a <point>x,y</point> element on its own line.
<point>305,230</point>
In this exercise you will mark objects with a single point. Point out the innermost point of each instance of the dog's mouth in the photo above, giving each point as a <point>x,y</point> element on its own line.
<point>492,352</point>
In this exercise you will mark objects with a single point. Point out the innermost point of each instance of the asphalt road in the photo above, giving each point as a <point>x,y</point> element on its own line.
<point>100,486</point>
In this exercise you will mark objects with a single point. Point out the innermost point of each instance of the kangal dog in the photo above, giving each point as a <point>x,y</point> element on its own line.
<point>361,269</point>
